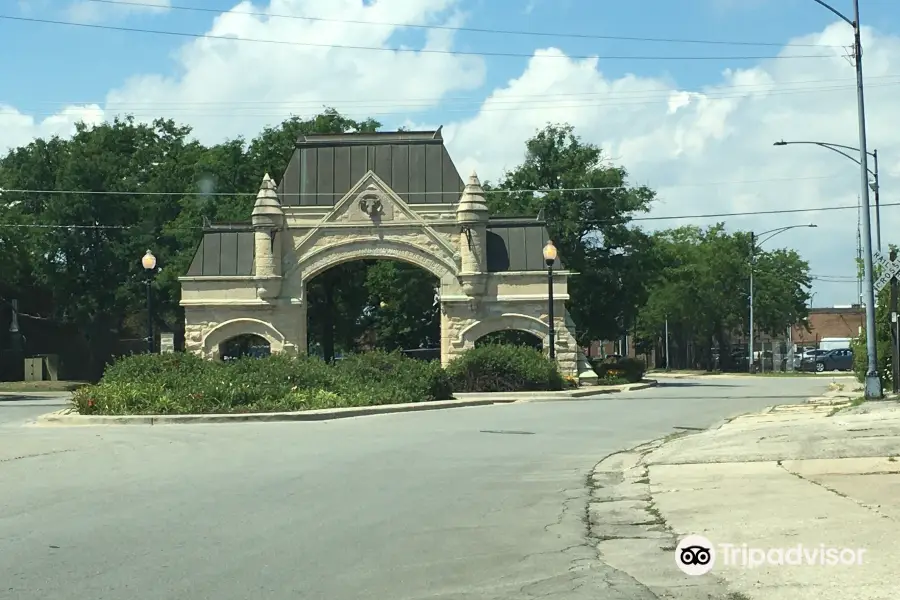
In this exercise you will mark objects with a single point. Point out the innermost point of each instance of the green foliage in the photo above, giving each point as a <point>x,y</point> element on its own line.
<point>702,289</point>
<point>511,336</point>
<point>184,384</point>
<point>504,368</point>
<point>624,370</point>
<point>883,345</point>
<point>591,228</point>
<point>401,312</point>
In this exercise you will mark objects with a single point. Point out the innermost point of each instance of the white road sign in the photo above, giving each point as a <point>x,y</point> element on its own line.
<point>889,271</point>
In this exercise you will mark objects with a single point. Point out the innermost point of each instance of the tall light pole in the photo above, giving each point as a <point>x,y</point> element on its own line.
<point>753,246</point>
<point>550,254</point>
<point>873,381</point>
<point>148,261</point>
<point>875,186</point>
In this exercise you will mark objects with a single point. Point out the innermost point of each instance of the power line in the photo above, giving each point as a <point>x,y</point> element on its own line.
<point>462,29</point>
<point>481,106</point>
<point>341,194</point>
<point>97,26</point>
<point>661,218</point>
<point>661,92</point>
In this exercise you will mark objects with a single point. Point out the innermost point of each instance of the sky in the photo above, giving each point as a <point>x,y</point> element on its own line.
<point>693,116</point>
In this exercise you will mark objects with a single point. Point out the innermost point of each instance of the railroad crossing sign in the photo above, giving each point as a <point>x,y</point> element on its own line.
<point>889,270</point>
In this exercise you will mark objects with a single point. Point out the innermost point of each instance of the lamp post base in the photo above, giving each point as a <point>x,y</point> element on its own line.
<point>873,387</point>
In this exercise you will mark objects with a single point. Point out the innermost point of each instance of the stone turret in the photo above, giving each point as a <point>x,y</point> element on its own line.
<point>268,222</point>
<point>472,216</point>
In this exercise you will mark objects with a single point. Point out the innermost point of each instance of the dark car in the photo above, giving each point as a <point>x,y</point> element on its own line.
<point>840,359</point>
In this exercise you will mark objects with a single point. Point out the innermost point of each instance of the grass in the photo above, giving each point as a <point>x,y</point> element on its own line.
<point>41,386</point>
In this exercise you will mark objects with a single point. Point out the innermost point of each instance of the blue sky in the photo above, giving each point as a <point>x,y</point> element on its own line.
<point>37,59</point>
<point>713,155</point>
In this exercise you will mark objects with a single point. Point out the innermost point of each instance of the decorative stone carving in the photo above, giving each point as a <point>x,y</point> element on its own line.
<point>371,206</point>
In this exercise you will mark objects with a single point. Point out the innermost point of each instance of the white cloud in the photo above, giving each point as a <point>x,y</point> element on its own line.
<point>85,11</point>
<point>679,141</point>
<point>18,128</point>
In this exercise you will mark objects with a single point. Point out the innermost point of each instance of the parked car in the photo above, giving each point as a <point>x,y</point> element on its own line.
<point>801,357</point>
<point>832,360</point>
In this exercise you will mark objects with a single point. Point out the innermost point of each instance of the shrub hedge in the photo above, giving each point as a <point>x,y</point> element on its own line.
<point>504,368</point>
<point>624,370</point>
<point>179,383</point>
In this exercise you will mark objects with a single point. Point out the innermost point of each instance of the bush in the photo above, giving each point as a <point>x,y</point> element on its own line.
<point>391,378</point>
<point>624,370</point>
<point>185,384</point>
<point>861,360</point>
<point>504,368</point>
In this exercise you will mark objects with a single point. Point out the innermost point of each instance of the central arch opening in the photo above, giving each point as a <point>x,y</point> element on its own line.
<point>373,304</point>
<point>244,345</point>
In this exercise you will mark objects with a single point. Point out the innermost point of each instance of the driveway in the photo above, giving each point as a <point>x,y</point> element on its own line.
<point>473,503</point>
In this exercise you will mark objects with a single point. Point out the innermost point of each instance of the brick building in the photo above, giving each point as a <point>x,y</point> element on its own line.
<point>837,322</point>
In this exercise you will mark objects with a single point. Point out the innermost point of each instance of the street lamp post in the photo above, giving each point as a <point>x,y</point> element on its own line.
<point>148,261</point>
<point>550,254</point>
<point>875,185</point>
<point>753,246</point>
<point>873,381</point>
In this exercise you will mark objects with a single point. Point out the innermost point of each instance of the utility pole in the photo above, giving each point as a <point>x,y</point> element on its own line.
<point>668,366</point>
<point>895,331</point>
<point>752,257</point>
<point>874,390</point>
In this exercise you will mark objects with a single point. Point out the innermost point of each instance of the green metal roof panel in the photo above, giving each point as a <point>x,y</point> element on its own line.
<point>416,165</point>
<point>516,245</point>
<point>223,253</point>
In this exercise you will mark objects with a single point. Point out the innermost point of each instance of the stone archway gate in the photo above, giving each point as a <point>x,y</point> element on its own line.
<point>373,196</point>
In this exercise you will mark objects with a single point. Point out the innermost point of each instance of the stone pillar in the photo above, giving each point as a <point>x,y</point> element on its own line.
<point>268,224</point>
<point>472,216</point>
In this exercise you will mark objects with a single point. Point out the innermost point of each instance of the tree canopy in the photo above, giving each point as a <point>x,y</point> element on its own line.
<point>94,202</point>
<point>588,206</point>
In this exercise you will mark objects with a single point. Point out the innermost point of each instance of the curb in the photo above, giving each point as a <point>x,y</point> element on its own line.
<point>66,416</point>
<point>563,395</point>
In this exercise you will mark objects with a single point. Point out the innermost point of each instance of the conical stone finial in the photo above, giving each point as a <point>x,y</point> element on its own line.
<point>267,208</point>
<point>471,204</point>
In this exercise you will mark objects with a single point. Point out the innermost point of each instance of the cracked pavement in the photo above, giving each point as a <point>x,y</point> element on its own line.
<point>805,475</point>
<point>444,505</point>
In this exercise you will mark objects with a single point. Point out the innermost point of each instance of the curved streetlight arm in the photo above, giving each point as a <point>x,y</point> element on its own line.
<point>839,148</point>
<point>835,11</point>
<point>775,232</point>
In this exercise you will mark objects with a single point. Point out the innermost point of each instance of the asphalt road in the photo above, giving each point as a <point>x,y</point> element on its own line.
<point>477,503</point>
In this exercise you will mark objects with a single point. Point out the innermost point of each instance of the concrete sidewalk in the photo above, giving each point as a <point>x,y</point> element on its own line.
<point>826,473</point>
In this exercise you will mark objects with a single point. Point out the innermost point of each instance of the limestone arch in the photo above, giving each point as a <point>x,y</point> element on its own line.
<point>515,321</point>
<point>241,326</point>
<point>323,258</point>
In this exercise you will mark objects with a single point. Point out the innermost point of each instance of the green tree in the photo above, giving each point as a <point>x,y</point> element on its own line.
<point>87,245</point>
<point>588,206</point>
<point>402,313</point>
<point>702,289</point>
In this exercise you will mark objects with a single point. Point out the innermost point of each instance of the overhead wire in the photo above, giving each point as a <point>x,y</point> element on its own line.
<point>663,93</point>
<point>339,194</point>
<point>294,43</point>
<point>491,105</point>
<point>557,34</point>
<point>592,222</point>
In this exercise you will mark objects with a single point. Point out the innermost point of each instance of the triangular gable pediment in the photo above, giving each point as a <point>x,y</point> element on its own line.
<point>372,202</point>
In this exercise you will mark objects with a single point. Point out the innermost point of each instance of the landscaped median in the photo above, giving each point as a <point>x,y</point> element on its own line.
<point>182,388</point>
